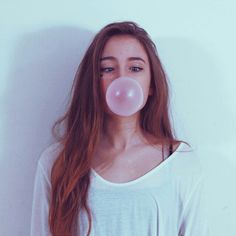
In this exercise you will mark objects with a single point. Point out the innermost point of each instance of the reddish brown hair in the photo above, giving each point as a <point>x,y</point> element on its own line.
<point>84,122</point>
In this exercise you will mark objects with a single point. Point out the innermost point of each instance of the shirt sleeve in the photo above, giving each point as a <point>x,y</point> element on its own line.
<point>40,205</point>
<point>194,220</point>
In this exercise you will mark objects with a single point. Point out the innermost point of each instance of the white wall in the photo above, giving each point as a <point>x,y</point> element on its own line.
<point>41,44</point>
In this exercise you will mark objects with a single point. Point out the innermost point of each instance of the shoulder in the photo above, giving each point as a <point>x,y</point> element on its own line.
<point>186,161</point>
<point>187,169</point>
<point>48,157</point>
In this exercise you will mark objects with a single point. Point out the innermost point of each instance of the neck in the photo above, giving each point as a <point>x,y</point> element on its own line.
<point>122,133</point>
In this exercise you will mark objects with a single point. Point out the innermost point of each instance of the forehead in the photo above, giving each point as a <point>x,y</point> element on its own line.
<point>124,45</point>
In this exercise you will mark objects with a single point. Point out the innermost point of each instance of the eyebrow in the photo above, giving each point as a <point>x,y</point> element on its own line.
<point>129,59</point>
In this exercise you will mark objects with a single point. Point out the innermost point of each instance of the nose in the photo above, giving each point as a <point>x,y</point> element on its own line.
<point>122,73</point>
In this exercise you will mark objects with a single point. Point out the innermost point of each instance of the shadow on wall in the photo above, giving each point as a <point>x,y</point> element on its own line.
<point>39,83</point>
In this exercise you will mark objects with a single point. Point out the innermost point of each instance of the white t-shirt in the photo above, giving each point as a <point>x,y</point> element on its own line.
<point>166,201</point>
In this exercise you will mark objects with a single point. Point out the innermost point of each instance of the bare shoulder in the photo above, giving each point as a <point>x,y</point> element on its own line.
<point>175,146</point>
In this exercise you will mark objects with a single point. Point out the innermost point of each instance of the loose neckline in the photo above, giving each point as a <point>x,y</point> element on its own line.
<point>139,179</point>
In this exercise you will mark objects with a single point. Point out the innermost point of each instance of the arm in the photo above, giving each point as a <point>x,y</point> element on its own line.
<point>194,218</point>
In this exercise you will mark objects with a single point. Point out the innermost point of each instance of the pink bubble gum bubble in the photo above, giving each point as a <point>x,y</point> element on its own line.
<point>124,96</point>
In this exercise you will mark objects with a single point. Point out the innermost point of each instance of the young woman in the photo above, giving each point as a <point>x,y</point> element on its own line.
<point>118,175</point>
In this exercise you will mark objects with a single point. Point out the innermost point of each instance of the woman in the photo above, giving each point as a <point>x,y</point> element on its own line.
<point>110,174</point>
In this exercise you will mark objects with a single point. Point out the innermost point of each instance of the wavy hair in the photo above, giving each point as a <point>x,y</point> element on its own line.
<point>83,124</point>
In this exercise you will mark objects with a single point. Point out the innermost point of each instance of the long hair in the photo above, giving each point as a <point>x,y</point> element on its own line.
<point>83,123</point>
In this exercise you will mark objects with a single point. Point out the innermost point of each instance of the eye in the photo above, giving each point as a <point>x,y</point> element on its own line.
<point>106,69</point>
<point>136,68</point>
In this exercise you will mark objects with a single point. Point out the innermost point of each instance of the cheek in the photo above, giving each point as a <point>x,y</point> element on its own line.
<point>104,85</point>
<point>145,84</point>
